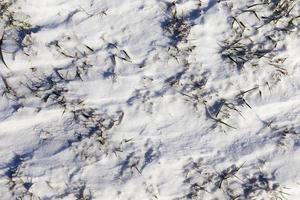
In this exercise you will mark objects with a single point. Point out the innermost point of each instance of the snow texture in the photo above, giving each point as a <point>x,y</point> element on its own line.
<point>150,99</point>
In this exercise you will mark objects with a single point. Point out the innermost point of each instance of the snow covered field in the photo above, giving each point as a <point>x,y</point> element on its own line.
<point>150,99</point>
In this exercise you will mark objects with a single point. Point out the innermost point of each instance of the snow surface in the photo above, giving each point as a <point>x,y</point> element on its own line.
<point>150,99</point>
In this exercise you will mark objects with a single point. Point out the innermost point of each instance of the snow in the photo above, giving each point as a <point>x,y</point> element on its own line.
<point>150,99</point>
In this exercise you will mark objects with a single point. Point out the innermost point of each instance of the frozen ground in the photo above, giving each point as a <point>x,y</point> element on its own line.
<point>150,99</point>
